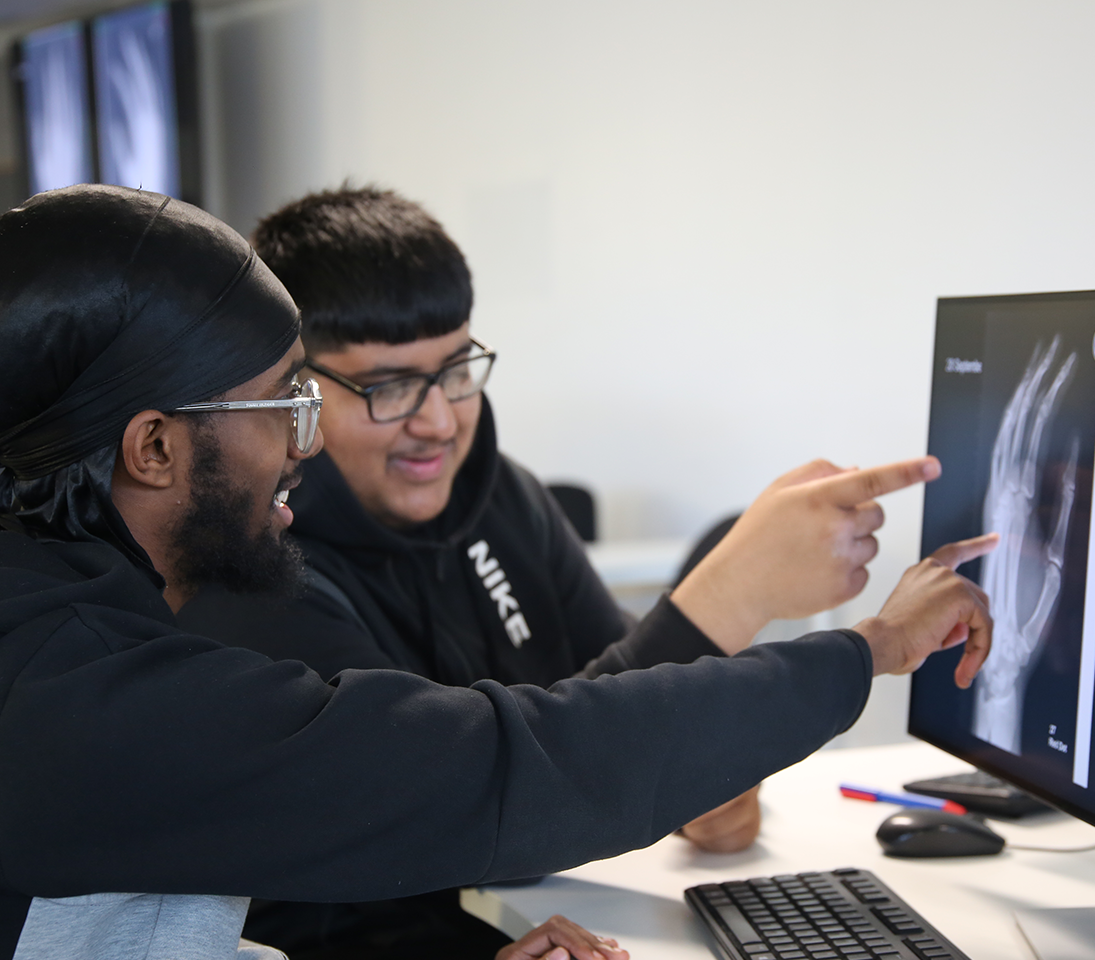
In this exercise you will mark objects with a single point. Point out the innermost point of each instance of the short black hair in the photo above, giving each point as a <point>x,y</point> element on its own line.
<point>366,265</point>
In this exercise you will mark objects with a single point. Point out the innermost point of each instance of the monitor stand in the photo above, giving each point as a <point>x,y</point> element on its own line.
<point>1063,933</point>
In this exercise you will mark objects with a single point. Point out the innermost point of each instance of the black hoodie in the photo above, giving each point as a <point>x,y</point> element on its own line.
<point>134,756</point>
<point>498,586</point>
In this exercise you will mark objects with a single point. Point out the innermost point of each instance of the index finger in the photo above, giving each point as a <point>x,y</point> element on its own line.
<point>978,647</point>
<point>858,486</point>
<point>957,553</point>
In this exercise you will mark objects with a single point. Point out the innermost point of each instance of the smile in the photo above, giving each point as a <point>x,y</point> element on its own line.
<point>280,503</point>
<point>421,469</point>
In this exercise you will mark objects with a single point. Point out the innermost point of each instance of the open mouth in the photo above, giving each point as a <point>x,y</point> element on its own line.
<point>281,507</point>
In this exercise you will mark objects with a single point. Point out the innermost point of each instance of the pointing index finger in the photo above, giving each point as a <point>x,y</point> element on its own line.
<point>858,486</point>
<point>955,554</point>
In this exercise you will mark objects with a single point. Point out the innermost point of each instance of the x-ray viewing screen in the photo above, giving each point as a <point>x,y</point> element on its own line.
<point>53,70</point>
<point>1013,423</point>
<point>135,95</point>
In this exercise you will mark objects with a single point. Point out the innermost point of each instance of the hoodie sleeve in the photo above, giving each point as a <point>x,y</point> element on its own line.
<point>135,761</point>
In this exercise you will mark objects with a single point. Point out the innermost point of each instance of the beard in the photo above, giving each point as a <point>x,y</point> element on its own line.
<point>213,542</point>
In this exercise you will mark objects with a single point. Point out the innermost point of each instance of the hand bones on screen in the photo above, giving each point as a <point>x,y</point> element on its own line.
<point>57,134</point>
<point>1018,463</point>
<point>139,128</point>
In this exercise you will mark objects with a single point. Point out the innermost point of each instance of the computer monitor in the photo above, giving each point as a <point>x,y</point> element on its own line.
<point>51,70</point>
<point>1013,423</point>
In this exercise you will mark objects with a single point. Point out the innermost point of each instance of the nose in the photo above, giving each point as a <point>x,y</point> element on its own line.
<point>435,419</point>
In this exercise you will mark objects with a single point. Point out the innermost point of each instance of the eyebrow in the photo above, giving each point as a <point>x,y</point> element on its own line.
<point>409,371</point>
<point>289,376</point>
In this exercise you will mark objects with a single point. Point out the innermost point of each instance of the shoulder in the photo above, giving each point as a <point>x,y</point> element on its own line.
<point>522,499</point>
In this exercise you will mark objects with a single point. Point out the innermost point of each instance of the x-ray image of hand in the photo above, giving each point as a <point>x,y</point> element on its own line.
<point>1023,576</point>
<point>57,142</point>
<point>138,130</point>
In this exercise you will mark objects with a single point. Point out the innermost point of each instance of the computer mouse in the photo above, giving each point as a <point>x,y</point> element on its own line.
<point>922,832</point>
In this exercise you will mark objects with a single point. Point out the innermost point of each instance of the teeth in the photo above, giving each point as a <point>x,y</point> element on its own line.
<point>281,498</point>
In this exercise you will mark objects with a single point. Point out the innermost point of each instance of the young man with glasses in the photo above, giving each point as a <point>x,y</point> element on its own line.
<point>429,550</point>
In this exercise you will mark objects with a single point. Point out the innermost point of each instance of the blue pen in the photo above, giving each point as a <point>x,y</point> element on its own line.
<point>902,799</point>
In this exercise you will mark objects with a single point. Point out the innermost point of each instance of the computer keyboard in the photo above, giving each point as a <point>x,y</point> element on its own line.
<point>844,914</point>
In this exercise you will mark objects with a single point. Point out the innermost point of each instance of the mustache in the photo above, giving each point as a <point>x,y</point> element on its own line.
<point>424,450</point>
<point>288,481</point>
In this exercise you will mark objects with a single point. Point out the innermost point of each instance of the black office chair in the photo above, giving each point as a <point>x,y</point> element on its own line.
<point>705,545</point>
<point>577,503</point>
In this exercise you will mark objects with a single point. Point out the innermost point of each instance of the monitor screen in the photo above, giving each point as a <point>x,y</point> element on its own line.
<point>137,122</point>
<point>1013,423</point>
<point>53,74</point>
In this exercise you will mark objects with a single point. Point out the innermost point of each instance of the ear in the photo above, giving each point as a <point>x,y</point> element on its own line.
<point>153,449</point>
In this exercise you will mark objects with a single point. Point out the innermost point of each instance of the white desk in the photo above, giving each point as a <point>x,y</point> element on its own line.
<point>637,897</point>
<point>633,564</point>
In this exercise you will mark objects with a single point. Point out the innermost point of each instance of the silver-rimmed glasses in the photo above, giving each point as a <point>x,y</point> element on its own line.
<point>402,397</point>
<point>304,401</point>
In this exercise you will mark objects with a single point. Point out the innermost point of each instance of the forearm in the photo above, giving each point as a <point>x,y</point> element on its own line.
<point>665,635</point>
<point>245,777</point>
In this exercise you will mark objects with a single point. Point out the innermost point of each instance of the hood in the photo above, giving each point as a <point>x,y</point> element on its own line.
<point>49,578</point>
<point>326,509</point>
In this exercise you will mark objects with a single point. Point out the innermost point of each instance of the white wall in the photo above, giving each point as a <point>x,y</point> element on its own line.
<point>707,236</point>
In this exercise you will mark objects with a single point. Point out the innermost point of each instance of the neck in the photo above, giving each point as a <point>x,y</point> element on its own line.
<point>145,518</point>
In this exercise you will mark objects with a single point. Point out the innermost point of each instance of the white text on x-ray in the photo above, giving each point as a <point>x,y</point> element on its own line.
<point>954,365</point>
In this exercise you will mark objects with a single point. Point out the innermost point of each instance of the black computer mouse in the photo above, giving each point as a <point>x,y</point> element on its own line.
<point>921,832</point>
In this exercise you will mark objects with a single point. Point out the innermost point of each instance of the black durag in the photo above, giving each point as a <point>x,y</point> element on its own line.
<point>114,301</point>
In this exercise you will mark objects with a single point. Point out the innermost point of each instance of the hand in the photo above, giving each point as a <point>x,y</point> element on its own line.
<point>559,939</point>
<point>933,608</point>
<point>801,548</point>
<point>729,828</point>
<point>1015,480</point>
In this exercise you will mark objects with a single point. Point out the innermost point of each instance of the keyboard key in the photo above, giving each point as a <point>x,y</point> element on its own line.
<point>736,923</point>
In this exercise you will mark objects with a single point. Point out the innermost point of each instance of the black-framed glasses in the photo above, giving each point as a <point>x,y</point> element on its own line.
<point>402,397</point>
<point>304,401</point>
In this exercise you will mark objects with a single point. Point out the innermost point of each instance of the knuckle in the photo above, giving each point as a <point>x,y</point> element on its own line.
<point>872,486</point>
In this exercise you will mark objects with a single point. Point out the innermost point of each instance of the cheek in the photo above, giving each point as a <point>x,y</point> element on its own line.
<point>356,444</point>
<point>256,446</point>
<point>467,419</point>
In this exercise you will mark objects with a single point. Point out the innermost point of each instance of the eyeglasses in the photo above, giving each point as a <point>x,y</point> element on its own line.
<point>305,401</point>
<point>402,397</point>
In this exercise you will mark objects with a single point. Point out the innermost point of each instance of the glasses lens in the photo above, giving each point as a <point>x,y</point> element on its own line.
<point>465,379</point>
<point>306,416</point>
<point>398,399</point>
<point>402,398</point>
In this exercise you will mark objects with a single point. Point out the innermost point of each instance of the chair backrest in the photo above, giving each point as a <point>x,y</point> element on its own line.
<point>705,545</point>
<point>577,503</point>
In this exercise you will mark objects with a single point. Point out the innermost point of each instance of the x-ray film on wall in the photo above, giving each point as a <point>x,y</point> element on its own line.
<point>135,91</point>
<point>53,70</point>
<point>1013,406</point>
